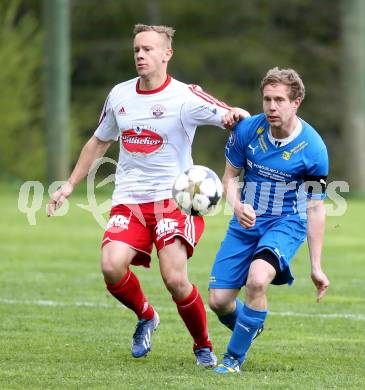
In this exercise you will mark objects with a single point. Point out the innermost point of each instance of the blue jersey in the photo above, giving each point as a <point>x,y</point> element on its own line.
<point>276,178</point>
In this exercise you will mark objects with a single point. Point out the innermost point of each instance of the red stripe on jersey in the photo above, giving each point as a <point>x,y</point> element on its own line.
<point>197,93</point>
<point>219,102</point>
<point>209,98</point>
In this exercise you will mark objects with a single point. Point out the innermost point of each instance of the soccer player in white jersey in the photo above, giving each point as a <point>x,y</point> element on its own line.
<point>285,168</point>
<point>154,118</point>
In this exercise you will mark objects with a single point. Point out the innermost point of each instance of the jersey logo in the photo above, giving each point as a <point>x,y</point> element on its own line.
<point>260,130</point>
<point>158,110</point>
<point>231,139</point>
<point>122,111</point>
<point>286,155</point>
<point>142,140</point>
<point>253,148</point>
<point>246,328</point>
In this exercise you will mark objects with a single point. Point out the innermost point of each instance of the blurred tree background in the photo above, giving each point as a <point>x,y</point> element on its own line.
<point>224,46</point>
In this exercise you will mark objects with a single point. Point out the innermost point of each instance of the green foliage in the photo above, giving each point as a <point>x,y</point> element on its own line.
<point>224,46</point>
<point>22,141</point>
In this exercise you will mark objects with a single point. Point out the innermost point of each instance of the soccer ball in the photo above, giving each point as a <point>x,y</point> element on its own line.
<point>197,191</point>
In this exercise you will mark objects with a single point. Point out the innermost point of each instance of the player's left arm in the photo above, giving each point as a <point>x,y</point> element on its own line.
<point>316,219</point>
<point>315,182</point>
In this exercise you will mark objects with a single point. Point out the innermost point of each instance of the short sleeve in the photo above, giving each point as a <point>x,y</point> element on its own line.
<point>234,151</point>
<point>107,129</point>
<point>316,176</point>
<point>201,108</point>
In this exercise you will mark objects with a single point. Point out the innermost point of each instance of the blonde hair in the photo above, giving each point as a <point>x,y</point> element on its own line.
<point>168,32</point>
<point>287,77</point>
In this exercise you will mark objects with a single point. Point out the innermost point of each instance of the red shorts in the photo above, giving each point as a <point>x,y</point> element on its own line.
<point>141,225</point>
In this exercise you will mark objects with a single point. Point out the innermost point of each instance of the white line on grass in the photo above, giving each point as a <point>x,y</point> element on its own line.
<point>349,316</point>
<point>54,303</point>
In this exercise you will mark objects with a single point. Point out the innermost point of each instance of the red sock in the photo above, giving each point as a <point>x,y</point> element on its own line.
<point>129,292</point>
<point>192,311</point>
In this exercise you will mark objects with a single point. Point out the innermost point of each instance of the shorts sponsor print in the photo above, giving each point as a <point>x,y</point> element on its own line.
<point>142,225</point>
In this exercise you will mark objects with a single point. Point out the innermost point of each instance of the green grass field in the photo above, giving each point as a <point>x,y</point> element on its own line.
<point>59,327</point>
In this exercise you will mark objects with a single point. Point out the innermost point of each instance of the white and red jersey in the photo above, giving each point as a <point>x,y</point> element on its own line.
<point>155,130</point>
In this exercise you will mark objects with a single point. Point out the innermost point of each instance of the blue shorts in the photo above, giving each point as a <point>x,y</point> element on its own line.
<point>280,235</point>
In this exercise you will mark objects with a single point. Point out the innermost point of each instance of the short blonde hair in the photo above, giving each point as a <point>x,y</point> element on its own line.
<point>287,77</point>
<point>168,32</point>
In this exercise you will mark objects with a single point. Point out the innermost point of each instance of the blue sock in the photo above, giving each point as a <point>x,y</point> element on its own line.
<point>247,324</point>
<point>229,320</point>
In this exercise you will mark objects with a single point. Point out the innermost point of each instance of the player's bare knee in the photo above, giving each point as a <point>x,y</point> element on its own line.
<point>215,304</point>
<point>218,302</point>
<point>178,286</point>
<point>256,285</point>
<point>112,269</point>
<point>115,261</point>
<point>174,283</point>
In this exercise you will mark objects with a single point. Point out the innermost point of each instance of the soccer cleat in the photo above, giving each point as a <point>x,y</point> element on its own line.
<point>141,341</point>
<point>228,365</point>
<point>205,357</point>
<point>259,331</point>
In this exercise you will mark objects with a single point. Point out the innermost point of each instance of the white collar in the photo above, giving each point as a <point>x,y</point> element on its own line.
<point>279,142</point>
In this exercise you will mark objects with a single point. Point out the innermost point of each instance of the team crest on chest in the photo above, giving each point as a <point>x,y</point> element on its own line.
<point>286,155</point>
<point>158,110</point>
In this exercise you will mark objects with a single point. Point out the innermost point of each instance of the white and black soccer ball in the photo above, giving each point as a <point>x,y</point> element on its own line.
<point>197,191</point>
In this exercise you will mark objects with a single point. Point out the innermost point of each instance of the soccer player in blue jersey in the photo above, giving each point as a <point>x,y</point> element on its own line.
<point>285,167</point>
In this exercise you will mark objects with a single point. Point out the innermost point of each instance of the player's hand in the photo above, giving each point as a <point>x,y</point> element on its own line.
<point>245,214</point>
<point>321,282</point>
<point>233,116</point>
<point>58,198</point>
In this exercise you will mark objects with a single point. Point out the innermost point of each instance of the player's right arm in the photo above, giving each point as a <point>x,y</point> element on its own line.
<point>96,147</point>
<point>92,150</point>
<point>245,214</point>
<point>202,109</point>
<point>235,163</point>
